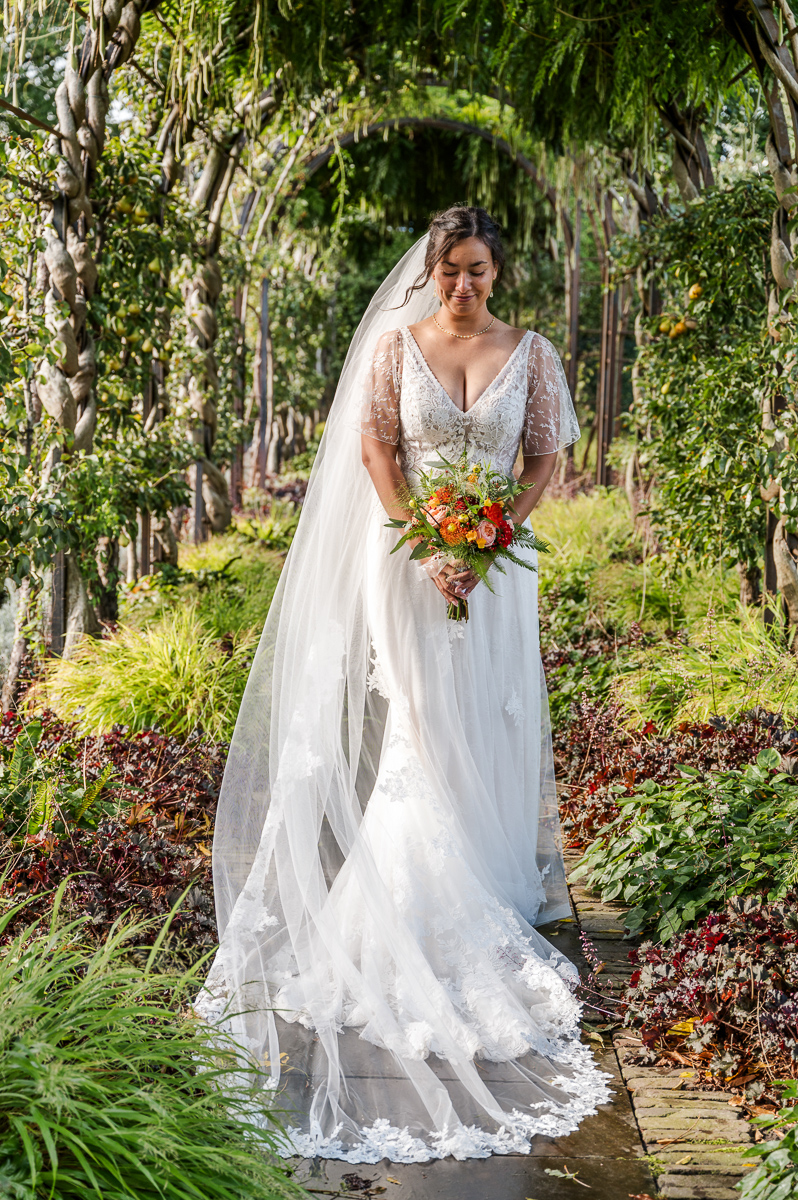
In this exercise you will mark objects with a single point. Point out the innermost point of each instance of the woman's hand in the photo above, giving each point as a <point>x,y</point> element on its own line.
<point>455,585</point>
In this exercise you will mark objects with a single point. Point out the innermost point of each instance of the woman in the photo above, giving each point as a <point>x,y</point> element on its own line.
<point>387,833</point>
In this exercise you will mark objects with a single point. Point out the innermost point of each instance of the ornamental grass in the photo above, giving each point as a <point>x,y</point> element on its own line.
<point>176,676</point>
<point>107,1089</point>
<point>727,666</point>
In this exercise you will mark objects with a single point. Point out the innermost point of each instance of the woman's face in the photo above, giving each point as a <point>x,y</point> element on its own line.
<point>464,278</point>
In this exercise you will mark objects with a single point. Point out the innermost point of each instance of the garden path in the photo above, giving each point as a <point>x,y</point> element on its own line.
<point>693,1136</point>
<point>606,1151</point>
<point>661,1134</point>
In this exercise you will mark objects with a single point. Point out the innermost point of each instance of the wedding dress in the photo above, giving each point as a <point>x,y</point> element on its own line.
<point>387,834</point>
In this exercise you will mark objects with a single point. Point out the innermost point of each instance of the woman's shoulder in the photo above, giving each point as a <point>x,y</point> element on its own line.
<point>389,340</point>
<point>540,346</point>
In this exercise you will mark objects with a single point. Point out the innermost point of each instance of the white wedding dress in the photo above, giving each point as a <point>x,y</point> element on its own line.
<point>388,830</point>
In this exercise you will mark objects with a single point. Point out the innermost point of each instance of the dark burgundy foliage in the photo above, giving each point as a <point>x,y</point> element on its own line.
<point>599,759</point>
<point>735,978</point>
<point>142,858</point>
<point>735,975</point>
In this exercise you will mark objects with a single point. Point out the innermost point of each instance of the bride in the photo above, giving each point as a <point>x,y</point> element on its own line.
<point>387,834</point>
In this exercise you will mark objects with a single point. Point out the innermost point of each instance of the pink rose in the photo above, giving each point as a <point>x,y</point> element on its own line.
<point>437,514</point>
<point>486,532</point>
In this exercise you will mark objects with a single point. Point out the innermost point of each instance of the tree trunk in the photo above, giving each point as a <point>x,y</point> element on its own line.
<point>108,570</point>
<point>201,295</point>
<point>750,583</point>
<point>8,699</point>
<point>786,574</point>
<point>65,388</point>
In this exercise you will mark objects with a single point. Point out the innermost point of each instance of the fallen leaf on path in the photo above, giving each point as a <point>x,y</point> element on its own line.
<point>566,1174</point>
<point>391,1179</point>
<point>683,1026</point>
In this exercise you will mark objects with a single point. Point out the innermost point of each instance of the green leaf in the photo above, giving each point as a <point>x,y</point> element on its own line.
<point>769,759</point>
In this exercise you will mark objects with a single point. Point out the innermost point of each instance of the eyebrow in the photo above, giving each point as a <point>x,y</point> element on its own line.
<point>479,262</point>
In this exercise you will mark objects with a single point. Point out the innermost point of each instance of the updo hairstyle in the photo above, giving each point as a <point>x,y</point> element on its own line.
<point>452,226</point>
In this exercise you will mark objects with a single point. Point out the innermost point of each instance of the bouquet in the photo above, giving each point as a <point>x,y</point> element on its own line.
<point>459,514</point>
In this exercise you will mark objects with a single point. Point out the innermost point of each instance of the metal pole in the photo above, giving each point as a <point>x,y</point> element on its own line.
<point>58,591</point>
<point>199,506</point>
<point>58,614</point>
<point>237,461</point>
<point>264,417</point>
<point>573,316</point>
<point>601,396</point>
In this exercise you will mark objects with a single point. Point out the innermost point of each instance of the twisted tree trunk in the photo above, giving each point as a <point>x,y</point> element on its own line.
<point>66,388</point>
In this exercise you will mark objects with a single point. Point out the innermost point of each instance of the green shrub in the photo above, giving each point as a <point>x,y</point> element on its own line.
<point>106,1091</point>
<point>47,793</point>
<point>229,580</point>
<point>175,676</point>
<point>776,1177</point>
<point>730,664</point>
<point>276,531</point>
<point>677,852</point>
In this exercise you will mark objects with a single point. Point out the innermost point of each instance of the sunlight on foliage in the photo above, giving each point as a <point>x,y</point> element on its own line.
<point>105,1090</point>
<point>176,677</point>
<point>730,664</point>
<point>678,852</point>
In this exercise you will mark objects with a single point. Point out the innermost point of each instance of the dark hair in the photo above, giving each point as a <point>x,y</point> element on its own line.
<point>454,225</point>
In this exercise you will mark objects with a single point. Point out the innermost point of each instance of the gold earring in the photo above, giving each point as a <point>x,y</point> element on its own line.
<point>491,291</point>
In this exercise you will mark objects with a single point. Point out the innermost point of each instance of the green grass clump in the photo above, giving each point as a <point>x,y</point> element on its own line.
<point>591,527</point>
<point>729,665</point>
<point>176,675</point>
<point>107,1091</point>
<point>601,576</point>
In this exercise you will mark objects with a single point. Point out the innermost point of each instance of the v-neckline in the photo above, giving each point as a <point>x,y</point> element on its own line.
<point>465,411</point>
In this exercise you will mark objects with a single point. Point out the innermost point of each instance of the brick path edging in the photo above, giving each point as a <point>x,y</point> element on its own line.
<point>694,1137</point>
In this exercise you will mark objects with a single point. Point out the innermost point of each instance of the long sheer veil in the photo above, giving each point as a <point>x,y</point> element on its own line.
<point>306,700</point>
<point>302,764</point>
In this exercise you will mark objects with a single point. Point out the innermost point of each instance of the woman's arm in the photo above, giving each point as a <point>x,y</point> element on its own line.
<point>537,471</point>
<point>379,459</point>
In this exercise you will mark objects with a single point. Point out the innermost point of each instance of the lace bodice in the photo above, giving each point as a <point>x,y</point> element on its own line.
<point>526,404</point>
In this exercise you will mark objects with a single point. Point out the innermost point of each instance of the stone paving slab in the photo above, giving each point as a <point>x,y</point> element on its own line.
<point>606,1150</point>
<point>510,1177</point>
<point>697,1189</point>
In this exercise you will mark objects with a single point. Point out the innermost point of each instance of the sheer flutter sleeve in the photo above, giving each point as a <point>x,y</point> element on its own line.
<point>380,411</point>
<point>550,422</point>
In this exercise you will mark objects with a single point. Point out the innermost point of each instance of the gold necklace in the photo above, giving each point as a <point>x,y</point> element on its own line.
<point>463,336</point>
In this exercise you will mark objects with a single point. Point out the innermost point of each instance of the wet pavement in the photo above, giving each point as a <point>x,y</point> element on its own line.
<point>606,1153</point>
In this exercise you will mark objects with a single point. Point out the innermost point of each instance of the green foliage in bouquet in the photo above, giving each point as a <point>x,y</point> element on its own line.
<point>459,510</point>
<point>677,852</point>
<point>107,1090</point>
